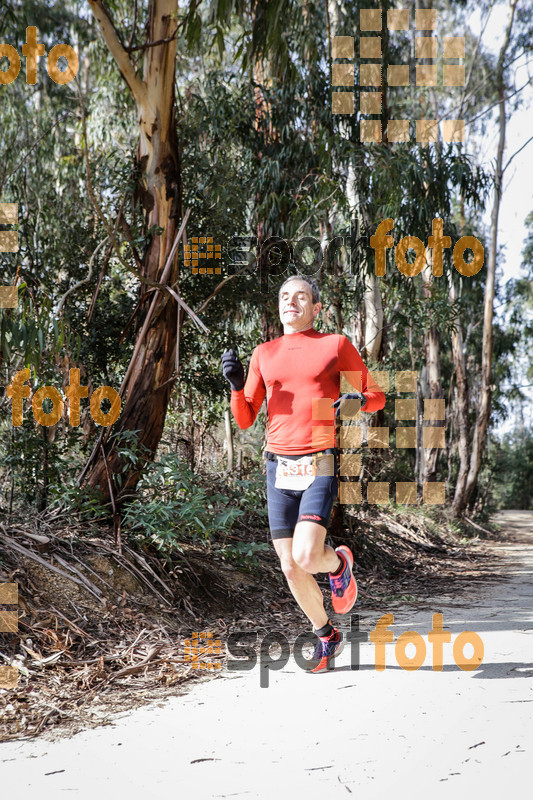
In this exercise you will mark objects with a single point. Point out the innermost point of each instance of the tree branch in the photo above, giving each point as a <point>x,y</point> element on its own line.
<point>118,51</point>
<point>474,63</point>
<point>155,301</point>
<point>151,44</point>
<point>219,287</point>
<point>516,153</point>
<point>134,28</point>
<point>84,280</point>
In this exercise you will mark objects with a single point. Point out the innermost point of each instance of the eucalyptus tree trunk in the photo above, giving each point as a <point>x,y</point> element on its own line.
<point>433,373</point>
<point>463,494</point>
<point>373,317</point>
<point>462,400</point>
<point>229,439</point>
<point>148,385</point>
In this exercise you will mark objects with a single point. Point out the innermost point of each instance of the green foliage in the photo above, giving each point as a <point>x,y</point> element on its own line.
<point>250,493</point>
<point>244,553</point>
<point>84,501</point>
<point>510,465</point>
<point>172,507</point>
<point>37,460</point>
<point>130,450</point>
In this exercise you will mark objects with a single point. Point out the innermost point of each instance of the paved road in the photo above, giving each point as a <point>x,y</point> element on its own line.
<point>363,732</point>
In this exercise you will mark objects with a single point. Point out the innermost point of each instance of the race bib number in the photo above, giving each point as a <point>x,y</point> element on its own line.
<point>296,474</point>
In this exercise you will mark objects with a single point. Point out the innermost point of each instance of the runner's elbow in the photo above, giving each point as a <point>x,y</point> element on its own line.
<point>245,423</point>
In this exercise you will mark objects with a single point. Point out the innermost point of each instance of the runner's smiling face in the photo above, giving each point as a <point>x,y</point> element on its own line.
<point>296,308</point>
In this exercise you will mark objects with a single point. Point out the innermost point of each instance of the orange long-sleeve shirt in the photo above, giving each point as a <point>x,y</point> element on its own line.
<point>300,375</point>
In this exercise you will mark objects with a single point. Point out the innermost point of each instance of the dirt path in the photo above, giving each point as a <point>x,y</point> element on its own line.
<point>349,732</point>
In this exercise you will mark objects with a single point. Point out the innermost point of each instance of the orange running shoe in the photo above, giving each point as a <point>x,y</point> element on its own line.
<point>343,585</point>
<point>326,649</point>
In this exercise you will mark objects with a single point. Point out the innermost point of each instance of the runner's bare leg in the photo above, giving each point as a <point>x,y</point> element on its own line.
<point>301,556</point>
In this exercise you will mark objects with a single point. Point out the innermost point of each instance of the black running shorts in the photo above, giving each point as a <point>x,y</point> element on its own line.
<point>287,507</point>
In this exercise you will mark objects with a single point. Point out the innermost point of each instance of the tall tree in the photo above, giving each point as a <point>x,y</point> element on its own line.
<point>148,384</point>
<point>467,483</point>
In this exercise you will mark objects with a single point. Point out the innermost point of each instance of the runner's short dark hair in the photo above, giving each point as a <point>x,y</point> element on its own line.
<point>315,291</point>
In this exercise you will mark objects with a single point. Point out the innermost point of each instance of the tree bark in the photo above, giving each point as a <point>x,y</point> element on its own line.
<point>461,407</point>
<point>149,383</point>
<point>460,415</point>
<point>433,371</point>
<point>229,439</point>
<point>373,317</point>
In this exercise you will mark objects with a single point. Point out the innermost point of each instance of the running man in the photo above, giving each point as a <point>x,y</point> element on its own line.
<point>295,373</point>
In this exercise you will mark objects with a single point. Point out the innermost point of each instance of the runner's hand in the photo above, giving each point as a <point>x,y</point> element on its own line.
<point>233,370</point>
<point>350,396</point>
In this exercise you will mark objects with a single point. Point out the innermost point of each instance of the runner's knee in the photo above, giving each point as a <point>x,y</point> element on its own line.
<point>308,546</point>
<point>307,558</point>
<point>292,571</point>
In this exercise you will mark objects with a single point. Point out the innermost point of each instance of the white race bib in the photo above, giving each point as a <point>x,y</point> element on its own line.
<point>296,474</point>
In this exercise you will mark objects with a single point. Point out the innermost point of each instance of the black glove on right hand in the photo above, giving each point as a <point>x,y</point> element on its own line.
<point>233,370</point>
<point>350,396</point>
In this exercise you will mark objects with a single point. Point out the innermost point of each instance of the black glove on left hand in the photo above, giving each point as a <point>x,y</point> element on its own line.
<point>350,396</point>
<point>233,370</point>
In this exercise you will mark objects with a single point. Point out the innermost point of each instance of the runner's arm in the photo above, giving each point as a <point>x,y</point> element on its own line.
<point>351,361</point>
<point>245,404</point>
